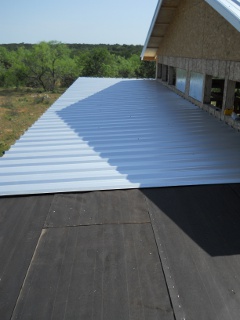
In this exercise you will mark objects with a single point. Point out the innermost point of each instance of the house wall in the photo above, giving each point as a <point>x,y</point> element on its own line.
<point>201,43</point>
<point>217,68</point>
<point>198,31</point>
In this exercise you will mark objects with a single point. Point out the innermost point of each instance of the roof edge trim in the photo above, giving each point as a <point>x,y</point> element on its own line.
<point>151,28</point>
<point>224,11</point>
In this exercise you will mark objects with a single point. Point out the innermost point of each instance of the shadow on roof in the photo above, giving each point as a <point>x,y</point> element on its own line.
<point>205,215</point>
<point>115,128</point>
<point>153,137</point>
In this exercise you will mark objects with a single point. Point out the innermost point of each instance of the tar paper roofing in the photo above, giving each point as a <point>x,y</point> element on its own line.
<point>164,13</point>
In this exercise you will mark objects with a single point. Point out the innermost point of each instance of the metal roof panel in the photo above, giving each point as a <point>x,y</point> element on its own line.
<point>117,134</point>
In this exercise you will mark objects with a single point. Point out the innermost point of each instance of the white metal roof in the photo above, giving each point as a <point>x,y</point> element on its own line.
<point>116,134</point>
<point>164,13</point>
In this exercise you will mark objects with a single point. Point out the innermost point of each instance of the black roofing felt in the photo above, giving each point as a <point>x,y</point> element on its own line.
<point>163,253</point>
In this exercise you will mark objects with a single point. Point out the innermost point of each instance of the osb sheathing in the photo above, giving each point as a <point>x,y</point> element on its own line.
<point>198,31</point>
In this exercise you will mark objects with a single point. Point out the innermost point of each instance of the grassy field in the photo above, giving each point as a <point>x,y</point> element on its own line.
<point>19,109</point>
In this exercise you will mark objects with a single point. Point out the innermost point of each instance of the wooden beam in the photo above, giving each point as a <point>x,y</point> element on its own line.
<point>229,94</point>
<point>149,59</point>
<point>207,89</point>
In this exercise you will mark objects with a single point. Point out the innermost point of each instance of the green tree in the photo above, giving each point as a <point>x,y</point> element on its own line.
<point>48,63</point>
<point>124,68</point>
<point>98,63</point>
<point>7,77</point>
<point>146,69</point>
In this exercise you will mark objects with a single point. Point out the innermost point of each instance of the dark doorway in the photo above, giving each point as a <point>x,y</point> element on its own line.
<point>159,71</point>
<point>237,98</point>
<point>172,76</point>
<point>217,92</point>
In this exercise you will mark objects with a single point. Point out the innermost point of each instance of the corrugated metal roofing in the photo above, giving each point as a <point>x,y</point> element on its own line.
<point>115,134</point>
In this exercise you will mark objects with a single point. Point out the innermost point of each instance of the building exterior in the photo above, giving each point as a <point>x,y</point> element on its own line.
<point>196,46</point>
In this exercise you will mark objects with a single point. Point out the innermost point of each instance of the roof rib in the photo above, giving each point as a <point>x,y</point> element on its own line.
<point>106,134</point>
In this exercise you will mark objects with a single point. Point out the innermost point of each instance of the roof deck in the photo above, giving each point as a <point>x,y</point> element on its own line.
<point>161,253</point>
<point>107,134</point>
<point>169,253</point>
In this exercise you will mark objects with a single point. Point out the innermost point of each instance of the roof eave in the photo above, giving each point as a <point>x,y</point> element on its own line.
<point>150,32</point>
<point>146,58</point>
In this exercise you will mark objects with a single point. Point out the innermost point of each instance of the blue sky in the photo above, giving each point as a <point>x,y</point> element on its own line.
<point>76,21</point>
